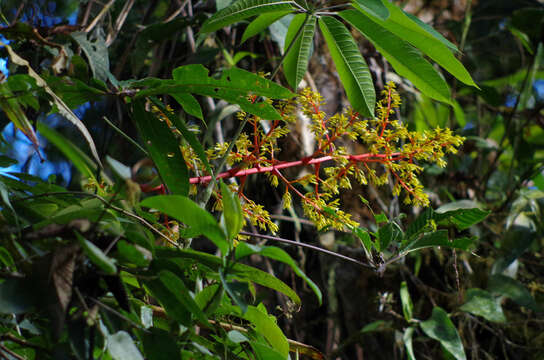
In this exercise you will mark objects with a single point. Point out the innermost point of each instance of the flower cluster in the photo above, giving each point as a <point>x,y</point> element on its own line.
<point>393,154</point>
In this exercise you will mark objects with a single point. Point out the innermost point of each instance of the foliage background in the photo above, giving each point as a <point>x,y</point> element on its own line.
<point>492,293</point>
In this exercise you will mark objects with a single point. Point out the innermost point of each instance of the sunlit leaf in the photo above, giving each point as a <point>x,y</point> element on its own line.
<point>350,64</point>
<point>243,9</point>
<point>296,61</point>
<point>405,59</point>
<point>232,211</point>
<point>261,23</point>
<point>121,347</point>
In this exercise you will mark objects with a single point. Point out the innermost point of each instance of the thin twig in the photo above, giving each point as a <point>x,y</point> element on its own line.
<point>132,141</point>
<point>100,15</point>
<point>108,204</point>
<point>312,247</point>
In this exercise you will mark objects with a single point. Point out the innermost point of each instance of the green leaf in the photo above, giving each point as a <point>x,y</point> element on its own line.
<point>511,288</point>
<point>121,347</point>
<point>235,290</point>
<point>350,64</point>
<point>463,214</point>
<point>389,233</point>
<point>159,345</point>
<point>6,161</point>
<point>266,325</point>
<point>243,9</point>
<point>179,296</point>
<point>163,148</point>
<point>97,54</point>
<point>11,106</point>
<point>242,271</point>
<point>374,7</point>
<point>77,157</point>
<point>433,32</point>
<point>262,22</point>
<point>17,296</point>
<point>481,303</point>
<point>407,305</point>
<point>420,224</point>
<point>96,255</point>
<point>439,238</point>
<point>244,249</point>
<point>188,212</point>
<point>407,338</point>
<point>405,28</point>
<point>232,211</point>
<point>189,104</point>
<point>185,132</point>
<point>265,352</point>
<point>234,86</point>
<point>296,61</point>
<point>119,168</point>
<point>405,59</point>
<point>440,327</point>
<point>132,254</point>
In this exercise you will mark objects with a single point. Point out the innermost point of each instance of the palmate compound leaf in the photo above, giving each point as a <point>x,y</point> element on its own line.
<point>296,61</point>
<point>411,31</point>
<point>350,64</point>
<point>243,9</point>
<point>235,86</point>
<point>405,59</point>
<point>441,328</point>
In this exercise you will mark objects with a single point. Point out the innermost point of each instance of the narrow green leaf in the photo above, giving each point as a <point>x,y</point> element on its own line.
<point>121,347</point>
<point>374,7</point>
<point>262,22</point>
<point>11,106</point>
<point>433,32</point>
<point>481,303</point>
<point>189,104</point>
<point>296,61</point>
<point>350,64</point>
<point>266,325</point>
<point>407,305</point>
<point>96,255</point>
<point>234,86</point>
<point>275,253</point>
<point>6,161</point>
<point>243,9</point>
<point>119,168</point>
<point>232,211</point>
<point>405,28</point>
<point>405,59</point>
<point>440,327</point>
<point>163,148</point>
<point>242,271</point>
<point>188,212</point>
<point>502,285</point>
